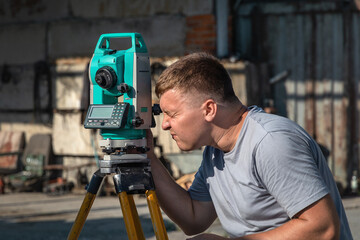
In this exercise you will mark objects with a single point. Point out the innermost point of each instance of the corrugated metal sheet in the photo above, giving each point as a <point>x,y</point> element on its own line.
<point>320,46</point>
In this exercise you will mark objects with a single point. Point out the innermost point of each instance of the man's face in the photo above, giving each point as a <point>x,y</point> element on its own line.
<point>184,118</point>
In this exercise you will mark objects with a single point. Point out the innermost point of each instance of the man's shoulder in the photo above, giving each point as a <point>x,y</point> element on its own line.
<point>269,122</point>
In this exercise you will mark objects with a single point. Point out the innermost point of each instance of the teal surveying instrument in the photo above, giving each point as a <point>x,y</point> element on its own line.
<point>121,107</point>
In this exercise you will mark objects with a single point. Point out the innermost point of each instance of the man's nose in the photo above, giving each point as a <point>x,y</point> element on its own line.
<point>165,123</point>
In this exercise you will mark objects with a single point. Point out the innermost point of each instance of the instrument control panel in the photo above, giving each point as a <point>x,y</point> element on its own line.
<point>107,116</point>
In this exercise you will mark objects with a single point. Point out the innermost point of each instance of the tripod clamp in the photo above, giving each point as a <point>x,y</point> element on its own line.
<point>133,172</point>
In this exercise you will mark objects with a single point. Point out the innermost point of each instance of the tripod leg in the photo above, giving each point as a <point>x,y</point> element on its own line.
<point>84,210</point>
<point>131,217</point>
<point>156,217</point>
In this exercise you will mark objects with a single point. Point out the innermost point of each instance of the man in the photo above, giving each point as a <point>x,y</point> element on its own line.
<point>262,175</point>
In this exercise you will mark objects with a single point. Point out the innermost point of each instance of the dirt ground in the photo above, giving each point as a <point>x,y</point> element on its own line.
<point>40,216</point>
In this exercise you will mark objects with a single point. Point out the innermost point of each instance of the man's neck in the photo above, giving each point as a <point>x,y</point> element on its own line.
<point>228,132</point>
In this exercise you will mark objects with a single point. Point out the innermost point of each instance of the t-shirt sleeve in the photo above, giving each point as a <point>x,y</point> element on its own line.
<point>287,169</point>
<point>199,189</point>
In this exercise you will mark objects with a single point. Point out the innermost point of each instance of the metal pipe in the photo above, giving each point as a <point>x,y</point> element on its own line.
<point>222,32</point>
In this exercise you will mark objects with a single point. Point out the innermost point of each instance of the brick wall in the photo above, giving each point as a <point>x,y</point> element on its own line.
<point>201,33</point>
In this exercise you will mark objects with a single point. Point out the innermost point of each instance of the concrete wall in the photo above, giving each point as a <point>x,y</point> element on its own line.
<point>39,30</point>
<point>47,44</point>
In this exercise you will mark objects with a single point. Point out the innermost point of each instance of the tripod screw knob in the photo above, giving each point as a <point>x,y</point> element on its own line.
<point>137,122</point>
<point>123,88</point>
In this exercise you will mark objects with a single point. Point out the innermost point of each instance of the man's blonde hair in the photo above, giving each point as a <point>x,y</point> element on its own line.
<point>198,71</point>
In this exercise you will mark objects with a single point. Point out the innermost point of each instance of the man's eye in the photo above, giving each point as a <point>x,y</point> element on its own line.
<point>170,114</point>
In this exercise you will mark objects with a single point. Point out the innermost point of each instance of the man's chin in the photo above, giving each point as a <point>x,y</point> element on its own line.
<point>185,148</point>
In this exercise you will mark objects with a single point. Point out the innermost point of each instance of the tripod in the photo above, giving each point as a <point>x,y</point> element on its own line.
<point>132,176</point>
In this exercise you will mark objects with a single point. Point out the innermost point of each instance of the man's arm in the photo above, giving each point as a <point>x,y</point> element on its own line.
<point>318,221</point>
<point>191,216</point>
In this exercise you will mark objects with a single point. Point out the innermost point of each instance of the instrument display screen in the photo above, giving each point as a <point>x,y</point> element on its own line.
<point>101,112</point>
<point>107,116</point>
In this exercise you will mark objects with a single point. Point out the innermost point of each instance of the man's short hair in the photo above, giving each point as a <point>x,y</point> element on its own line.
<point>198,71</point>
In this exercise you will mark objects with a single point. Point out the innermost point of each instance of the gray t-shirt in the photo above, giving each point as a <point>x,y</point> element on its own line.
<point>275,170</point>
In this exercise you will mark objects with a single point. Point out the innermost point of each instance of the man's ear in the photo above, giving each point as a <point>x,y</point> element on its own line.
<point>210,109</point>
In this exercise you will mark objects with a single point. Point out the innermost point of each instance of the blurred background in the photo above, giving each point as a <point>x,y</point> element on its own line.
<point>294,58</point>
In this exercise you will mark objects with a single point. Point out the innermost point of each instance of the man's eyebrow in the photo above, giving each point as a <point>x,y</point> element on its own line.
<point>165,111</point>
<point>169,113</point>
